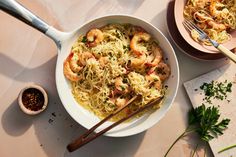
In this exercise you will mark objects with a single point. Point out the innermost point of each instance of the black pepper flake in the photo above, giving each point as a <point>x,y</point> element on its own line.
<point>54,114</point>
<point>50,121</point>
<point>195,90</point>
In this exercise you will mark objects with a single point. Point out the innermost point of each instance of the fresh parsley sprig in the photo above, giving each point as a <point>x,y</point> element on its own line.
<point>204,121</point>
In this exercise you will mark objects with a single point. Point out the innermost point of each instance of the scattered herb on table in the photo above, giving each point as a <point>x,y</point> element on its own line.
<point>216,90</point>
<point>205,122</point>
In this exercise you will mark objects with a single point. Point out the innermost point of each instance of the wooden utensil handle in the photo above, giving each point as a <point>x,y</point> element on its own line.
<point>82,141</point>
<point>227,52</point>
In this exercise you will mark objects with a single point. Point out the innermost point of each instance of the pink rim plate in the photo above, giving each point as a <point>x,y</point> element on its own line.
<point>178,15</point>
<point>180,41</point>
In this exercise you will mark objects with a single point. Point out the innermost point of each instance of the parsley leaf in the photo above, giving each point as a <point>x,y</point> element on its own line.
<point>205,122</point>
<point>84,40</point>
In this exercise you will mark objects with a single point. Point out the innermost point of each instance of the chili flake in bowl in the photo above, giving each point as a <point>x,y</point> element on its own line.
<point>33,99</point>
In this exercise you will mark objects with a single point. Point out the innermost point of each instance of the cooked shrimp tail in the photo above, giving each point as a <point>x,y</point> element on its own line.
<point>138,37</point>
<point>94,37</point>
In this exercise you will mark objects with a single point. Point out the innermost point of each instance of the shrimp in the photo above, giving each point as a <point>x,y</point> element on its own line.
<point>200,3</point>
<point>74,62</point>
<point>213,8</point>
<point>120,102</point>
<point>218,26</point>
<point>163,71</point>
<point>94,37</point>
<point>103,61</point>
<point>138,61</point>
<point>157,53</point>
<point>201,17</point>
<point>154,79</point>
<point>83,57</point>
<point>120,85</point>
<point>71,75</point>
<point>141,36</point>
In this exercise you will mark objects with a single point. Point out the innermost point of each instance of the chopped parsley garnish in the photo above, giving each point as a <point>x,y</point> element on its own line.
<point>155,79</point>
<point>84,40</point>
<point>122,87</point>
<point>125,80</point>
<point>216,90</point>
<point>126,48</point>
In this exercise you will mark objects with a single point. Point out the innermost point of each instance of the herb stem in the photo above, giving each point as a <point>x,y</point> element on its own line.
<point>180,136</point>
<point>205,149</point>
<point>227,148</point>
<point>195,150</point>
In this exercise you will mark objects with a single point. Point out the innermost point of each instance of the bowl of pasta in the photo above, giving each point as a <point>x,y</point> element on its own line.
<point>109,61</point>
<point>216,17</point>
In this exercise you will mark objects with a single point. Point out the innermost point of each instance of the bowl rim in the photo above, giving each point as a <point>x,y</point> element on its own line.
<point>58,72</point>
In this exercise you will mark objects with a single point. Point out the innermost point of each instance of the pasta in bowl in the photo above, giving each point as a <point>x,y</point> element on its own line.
<point>85,116</point>
<point>215,17</point>
<point>110,65</point>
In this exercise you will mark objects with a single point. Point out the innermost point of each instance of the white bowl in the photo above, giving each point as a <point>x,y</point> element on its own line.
<point>88,119</point>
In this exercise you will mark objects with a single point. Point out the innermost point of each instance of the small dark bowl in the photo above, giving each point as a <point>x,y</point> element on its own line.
<point>38,89</point>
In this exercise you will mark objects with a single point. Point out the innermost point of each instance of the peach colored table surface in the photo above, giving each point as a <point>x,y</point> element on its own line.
<point>27,56</point>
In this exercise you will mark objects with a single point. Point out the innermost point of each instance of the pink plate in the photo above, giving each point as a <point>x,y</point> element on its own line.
<point>181,43</point>
<point>179,18</point>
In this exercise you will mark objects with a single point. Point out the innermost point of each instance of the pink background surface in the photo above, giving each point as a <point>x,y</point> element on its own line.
<point>27,56</point>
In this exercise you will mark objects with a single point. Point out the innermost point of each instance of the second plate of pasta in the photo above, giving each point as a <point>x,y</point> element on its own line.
<point>216,18</point>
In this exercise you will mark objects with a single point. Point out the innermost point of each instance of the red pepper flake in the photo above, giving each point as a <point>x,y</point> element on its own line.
<point>33,99</point>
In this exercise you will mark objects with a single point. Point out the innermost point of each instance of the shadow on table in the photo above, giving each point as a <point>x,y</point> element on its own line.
<point>14,121</point>
<point>198,144</point>
<point>18,72</point>
<point>108,146</point>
